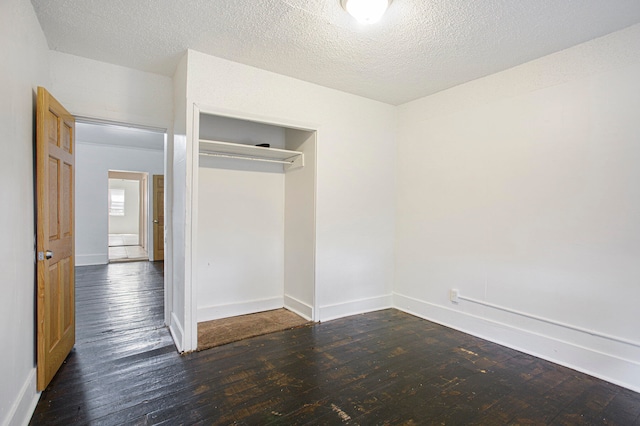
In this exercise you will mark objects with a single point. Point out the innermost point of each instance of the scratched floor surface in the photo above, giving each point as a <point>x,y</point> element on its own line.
<point>384,367</point>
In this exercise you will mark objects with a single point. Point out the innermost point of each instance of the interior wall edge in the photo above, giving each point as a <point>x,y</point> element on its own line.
<point>177,332</point>
<point>25,403</point>
<point>601,55</point>
<point>355,307</point>
<point>299,307</point>
<point>608,367</point>
<point>26,66</point>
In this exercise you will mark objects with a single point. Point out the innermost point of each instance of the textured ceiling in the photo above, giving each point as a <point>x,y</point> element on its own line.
<point>420,47</point>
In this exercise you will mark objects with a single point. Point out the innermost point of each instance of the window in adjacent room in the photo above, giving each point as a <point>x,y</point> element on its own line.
<point>116,202</point>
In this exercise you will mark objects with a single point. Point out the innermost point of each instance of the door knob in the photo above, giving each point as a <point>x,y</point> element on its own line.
<point>155,221</point>
<point>49,254</point>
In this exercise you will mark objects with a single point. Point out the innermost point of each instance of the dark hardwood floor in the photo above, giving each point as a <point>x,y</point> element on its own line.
<point>384,367</point>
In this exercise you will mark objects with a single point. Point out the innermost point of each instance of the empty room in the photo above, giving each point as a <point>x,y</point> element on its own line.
<point>372,212</point>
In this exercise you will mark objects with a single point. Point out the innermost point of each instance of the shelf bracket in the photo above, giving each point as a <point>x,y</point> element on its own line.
<point>298,162</point>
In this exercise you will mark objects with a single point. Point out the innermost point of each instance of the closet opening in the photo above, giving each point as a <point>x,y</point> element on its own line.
<point>254,221</point>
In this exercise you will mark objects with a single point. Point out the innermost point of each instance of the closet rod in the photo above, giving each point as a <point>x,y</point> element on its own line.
<point>240,157</point>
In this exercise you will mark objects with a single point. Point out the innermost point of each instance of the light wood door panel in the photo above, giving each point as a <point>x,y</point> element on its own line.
<point>158,217</point>
<point>55,160</point>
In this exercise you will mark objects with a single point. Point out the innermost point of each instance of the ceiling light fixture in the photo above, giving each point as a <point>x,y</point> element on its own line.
<point>366,11</point>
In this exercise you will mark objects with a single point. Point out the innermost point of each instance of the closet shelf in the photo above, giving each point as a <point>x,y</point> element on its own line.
<point>290,159</point>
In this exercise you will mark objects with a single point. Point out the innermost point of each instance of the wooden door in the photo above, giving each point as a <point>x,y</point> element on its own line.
<point>55,146</point>
<point>158,217</point>
<point>144,211</point>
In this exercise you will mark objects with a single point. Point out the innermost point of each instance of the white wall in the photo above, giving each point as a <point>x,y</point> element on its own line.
<point>86,88</point>
<point>96,89</point>
<point>24,67</point>
<point>300,225</point>
<point>240,243</point>
<point>93,163</point>
<point>355,172</point>
<point>227,129</point>
<point>521,190</point>
<point>179,308</point>
<point>129,223</point>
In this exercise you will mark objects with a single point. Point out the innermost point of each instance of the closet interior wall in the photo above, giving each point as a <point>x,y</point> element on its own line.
<point>300,226</point>
<point>255,224</point>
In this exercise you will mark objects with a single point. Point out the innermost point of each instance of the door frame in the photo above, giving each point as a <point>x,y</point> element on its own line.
<point>154,214</point>
<point>143,206</point>
<point>187,341</point>
<point>168,196</point>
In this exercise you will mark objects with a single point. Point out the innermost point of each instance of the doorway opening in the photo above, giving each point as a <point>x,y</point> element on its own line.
<point>103,146</point>
<point>128,206</point>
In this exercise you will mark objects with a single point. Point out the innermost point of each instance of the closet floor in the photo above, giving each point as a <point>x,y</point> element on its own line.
<point>226,330</point>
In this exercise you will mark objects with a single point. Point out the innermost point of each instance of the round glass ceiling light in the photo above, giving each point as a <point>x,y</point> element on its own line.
<point>366,11</point>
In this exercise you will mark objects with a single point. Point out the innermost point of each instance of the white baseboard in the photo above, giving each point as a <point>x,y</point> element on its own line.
<point>92,259</point>
<point>620,370</point>
<point>25,404</point>
<point>177,332</point>
<point>209,313</point>
<point>299,307</point>
<point>354,307</point>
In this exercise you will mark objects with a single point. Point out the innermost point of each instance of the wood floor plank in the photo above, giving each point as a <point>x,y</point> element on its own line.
<point>383,367</point>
